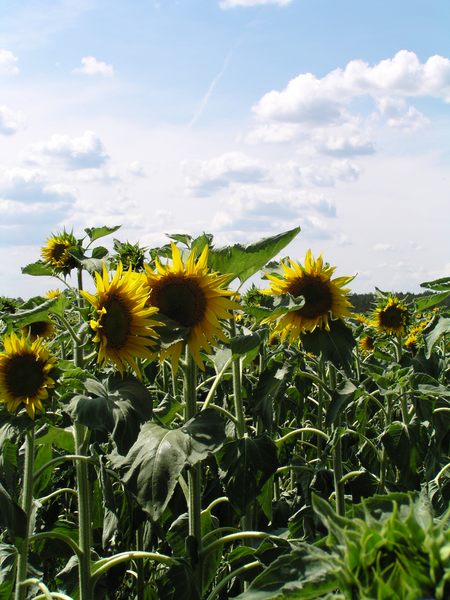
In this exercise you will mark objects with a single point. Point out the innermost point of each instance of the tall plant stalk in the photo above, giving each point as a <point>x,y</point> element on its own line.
<point>194,474</point>
<point>27,506</point>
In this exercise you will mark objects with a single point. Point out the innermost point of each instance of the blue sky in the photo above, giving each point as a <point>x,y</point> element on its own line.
<point>239,117</point>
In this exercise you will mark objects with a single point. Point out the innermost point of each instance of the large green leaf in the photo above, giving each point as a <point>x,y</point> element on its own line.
<point>38,268</point>
<point>8,559</point>
<point>335,345</point>
<point>340,400</point>
<point>244,467</point>
<point>439,285</point>
<point>95,233</point>
<point>426,302</point>
<point>305,573</point>
<point>12,516</point>
<point>177,583</point>
<point>243,261</point>
<point>155,461</point>
<point>117,405</point>
<point>433,333</point>
<point>406,446</point>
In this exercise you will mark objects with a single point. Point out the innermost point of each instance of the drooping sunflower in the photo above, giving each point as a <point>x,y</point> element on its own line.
<point>324,298</point>
<point>58,252</point>
<point>193,297</point>
<point>43,329</point>
<point>26,374</point>
<point>123,324</point>
<point>391,316</point>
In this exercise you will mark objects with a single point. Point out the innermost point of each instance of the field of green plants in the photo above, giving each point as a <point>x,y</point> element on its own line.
<point>169,431</point>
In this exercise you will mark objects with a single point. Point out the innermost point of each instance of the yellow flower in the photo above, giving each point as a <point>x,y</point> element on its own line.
<point>194,298</point>
<point>391,317</point>
<point>325,298</point>
<point>25,374</point>
<point>43,329</point>
<point>123,323</point>
<point>367,344</point>
<point>411,342</point>
<point>53,293</point>
<point>57,252</point>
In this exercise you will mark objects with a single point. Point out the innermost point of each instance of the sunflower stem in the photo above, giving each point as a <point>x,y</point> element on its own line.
<point>27,505</point>
<point>338,472</point>
<point>84,515</point>
<point>194,473</point>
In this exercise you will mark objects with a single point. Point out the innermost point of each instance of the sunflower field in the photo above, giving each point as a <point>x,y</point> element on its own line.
<point>170,431</point>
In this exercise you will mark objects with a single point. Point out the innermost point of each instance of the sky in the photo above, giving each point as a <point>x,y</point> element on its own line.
<point>241,118</point>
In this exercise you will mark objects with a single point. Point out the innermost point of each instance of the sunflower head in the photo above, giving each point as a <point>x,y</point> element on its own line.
<point>26,374</point>
<point>367,344</point>
<point>58,252</point>
<point>324,298</point>
<point>43,329</point>
<point>194,298</point>
<point>122,322</point>
<point>53,294</point>
<point>130,255</point>
<point>391,316</point>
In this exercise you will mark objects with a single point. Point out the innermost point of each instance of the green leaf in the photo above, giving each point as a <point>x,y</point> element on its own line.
<point>57,437</point>
<point>8,559</point>
<point>177,583</point>
<point>335,345</point>
<point>340,400</point>
<point>38,269</point>
<point>270,388</point>
<point>11,515</point>
<point>426,302</point>
<point>241,344</point>
<point>95,233</point>
<point>117,405</point>
<point>442,284</point>
<point>155,461</point>
<point>305,573</point>
<point>406,446</point>
<point>243,261</point>
<point>99,252</point>
<point>244,467</point>
<point>433,333</point>
<point>35,313</point>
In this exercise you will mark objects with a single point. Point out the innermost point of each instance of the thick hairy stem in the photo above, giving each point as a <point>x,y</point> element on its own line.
<point>27,505</point>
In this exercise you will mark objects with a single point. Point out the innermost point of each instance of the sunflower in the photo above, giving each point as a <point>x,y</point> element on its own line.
<point>25,373</point>
<point>123,323</point>
<point>391,316</point>
<point>324,298</point>
<point>367,344</point>
<point>58,252</point>
<point>43,329</point>
<point>192,297</point>
<point>53,293</point>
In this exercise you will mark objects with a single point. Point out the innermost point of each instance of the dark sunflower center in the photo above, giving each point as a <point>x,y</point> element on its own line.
<point>317,294</point>
<point>392,316</point>
<point>38,328</point>
<point>116,323</point>
<point>24,375</point>
<point>58,251</point>
<point>182,300</point>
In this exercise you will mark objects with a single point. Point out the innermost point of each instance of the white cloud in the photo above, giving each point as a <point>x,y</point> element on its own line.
<point>380,247</point>
<point>10,120</point>
<point>93,67</point>
<point>292,174</point>
<point>8,63</point>
<point>314,100</point>
<point>399,114</point>
<point>234,3</point>
<point>205,177</point>
<point>136,168</point>
<point>31,186</point>
<point>84,152</point>
<point>339,145</point>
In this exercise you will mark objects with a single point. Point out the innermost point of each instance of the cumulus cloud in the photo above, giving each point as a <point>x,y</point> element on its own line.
<point>208,176</point>
<point>32,186</point>
<point>234,3</point>
<point>93,67</point>
<point>310,99</point>
<point>293,174</point>
<point>399,114</point>
<point>10,120</point>
<point>8,63</point>
<point>84,152</point>
<point>342,146</point>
